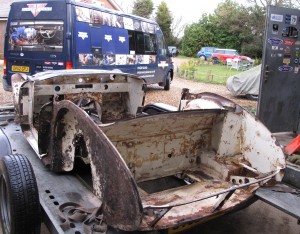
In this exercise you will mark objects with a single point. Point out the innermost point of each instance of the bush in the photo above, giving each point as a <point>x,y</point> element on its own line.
<point>187,69</point>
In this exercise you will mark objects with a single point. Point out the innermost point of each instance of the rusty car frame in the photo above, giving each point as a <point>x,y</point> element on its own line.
<point>150,171</point>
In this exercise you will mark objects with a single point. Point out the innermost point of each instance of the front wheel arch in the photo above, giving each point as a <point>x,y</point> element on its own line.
<point>203,57</point>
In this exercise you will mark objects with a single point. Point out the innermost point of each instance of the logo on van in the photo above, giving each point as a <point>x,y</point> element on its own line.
<point>163,64</point>
<point>37,8</point>
<point>83,35</point>
<point>108,38</point>
<point>122,39</point>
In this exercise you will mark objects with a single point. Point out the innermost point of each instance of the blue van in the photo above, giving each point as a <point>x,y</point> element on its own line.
<point>69,34</point>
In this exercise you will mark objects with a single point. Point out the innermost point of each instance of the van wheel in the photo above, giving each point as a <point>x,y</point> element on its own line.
<point>168,82</point>
<point>19,198</point>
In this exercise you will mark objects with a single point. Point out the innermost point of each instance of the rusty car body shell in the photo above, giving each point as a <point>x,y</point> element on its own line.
<point>216,153</point>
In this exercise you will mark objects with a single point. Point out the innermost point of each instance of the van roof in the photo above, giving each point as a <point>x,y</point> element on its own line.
<point>91,6</point>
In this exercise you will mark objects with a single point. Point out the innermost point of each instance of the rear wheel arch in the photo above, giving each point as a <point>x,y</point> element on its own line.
<point>62,148</point>
<point>112,180</point>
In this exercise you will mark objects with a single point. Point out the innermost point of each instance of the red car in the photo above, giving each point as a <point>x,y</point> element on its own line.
<point>223,54</point>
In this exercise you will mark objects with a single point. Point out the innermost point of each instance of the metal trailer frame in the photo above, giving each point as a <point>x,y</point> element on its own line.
<point>286,197</point>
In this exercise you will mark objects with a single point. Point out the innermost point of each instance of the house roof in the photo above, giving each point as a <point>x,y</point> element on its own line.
<point>5,7</point>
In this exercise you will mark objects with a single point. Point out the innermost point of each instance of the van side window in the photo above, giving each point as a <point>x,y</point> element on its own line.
<point>150,45</point>
<point>95,42</point>
<point>161,45</point>
<point>131,36</point>
<point>142,43</point>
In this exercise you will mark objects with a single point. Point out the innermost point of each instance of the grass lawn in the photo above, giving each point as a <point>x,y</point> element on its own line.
<point>205,72</point>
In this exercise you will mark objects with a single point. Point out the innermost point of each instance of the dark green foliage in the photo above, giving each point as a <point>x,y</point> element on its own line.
<point>200,34</point>
<point>164,19</point>
<point>231,26</point>
<point>143,8</point>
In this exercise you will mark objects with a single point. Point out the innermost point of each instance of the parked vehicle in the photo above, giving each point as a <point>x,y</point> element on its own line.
<point>68,34</point>
<point>173,51</point>
<point>222,54</point>
<point>147,171</point>
<point>245,83</point>
<point>206,52</point>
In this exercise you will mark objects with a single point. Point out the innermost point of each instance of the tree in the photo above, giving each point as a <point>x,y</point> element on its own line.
<point>143,8</point>
<point>197,35</point>
<point>164,19</point>
<point>257,11</point>
<point>232,26</point>
<point>177,29</point>
<point>256,24</point>
<point>238,22</point>
<point>283,3</point>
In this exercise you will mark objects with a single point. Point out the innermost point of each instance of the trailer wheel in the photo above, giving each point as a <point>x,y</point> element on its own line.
<point>20,210</point>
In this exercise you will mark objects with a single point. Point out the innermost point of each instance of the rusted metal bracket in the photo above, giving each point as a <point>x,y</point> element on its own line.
<point>91,218</point>
<point>158,216</point>
<point>223,198</point>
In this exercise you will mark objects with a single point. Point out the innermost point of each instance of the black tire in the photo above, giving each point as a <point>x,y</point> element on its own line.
<point>168,82</point>
<point>215,60</point>
<point>20,210</point>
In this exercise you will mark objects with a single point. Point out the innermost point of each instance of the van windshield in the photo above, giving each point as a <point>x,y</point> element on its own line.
<point>36,36</point>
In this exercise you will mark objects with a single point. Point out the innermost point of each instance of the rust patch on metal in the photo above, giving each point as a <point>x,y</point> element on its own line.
<point>77,97</point>
<point>199,211</point>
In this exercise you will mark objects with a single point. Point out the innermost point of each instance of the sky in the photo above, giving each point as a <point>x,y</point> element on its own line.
<point>190,11</point>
